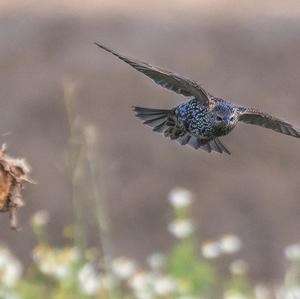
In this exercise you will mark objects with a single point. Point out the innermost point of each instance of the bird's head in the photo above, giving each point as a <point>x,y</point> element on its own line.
<point>225,116</point>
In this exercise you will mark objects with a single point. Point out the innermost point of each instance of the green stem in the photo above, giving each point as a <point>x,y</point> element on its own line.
<point>100,209</point>
<point>75,159</point>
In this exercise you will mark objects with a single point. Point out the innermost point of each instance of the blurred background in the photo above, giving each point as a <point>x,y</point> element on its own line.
<point>245,51</point>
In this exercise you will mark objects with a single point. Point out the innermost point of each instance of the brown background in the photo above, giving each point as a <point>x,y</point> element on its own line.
<point>244,51</point>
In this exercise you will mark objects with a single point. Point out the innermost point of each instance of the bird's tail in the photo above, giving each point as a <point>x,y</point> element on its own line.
<point>158,119</point>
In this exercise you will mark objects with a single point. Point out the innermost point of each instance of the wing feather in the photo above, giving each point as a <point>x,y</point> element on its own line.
<point>255,117</point>
<point>164,78</point>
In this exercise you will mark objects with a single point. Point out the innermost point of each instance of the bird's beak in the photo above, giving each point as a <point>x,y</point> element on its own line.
<point>226,121</point>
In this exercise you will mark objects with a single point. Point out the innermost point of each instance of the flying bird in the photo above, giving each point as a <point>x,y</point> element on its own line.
<point>203,118</point>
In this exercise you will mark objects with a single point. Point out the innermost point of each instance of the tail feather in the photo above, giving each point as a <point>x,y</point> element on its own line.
<point>215,146</point>
<point>163,121</point>
<point>153,122</point>
<point>149,111</point>
<point>183,140</point>
<point>148,116</point>
<point>209,145</point>
<point>155,118</point>
<point>193,142</point>
<point>222,146</point>
<point>160,128</point>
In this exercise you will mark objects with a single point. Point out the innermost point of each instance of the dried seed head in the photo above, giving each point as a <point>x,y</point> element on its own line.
<point>13,174</point>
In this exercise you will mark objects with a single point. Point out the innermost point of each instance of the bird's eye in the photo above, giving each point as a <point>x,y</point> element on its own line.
<point>219,118</point>
<point>231,118</point>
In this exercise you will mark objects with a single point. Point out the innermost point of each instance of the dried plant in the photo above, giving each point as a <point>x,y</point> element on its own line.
<point>14,172</point>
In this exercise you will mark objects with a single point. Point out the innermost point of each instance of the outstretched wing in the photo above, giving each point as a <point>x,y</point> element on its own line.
<point>255,117</point>
<point>165,78</point>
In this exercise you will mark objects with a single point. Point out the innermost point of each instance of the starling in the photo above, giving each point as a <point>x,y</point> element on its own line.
<point>203,118</point>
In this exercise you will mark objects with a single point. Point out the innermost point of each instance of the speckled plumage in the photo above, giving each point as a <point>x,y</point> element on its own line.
<point>200,121</point>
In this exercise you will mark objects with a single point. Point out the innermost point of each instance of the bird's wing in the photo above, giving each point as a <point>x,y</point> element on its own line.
<point>165,78</point>
<point>255,117</point>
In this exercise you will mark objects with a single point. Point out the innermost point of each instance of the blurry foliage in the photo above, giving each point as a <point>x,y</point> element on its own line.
<point>196,275</point>
<point>187,271</point>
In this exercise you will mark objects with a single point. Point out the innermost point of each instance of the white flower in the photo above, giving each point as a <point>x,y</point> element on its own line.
<point>230,244</point>
<point>4,257</point>
<point>11,273</point>
<point>181,228</point>
<point>156,261</point>
<point>47,267</point>
<point>211,250</point>
<point>180,198</point>
<point>62,271</point>
<point>164,286</point>
<point>123,268</point>
<point>5,294</point>
<point>292,252</point>
<point>40,218</point>
<point>55,261</point>
<point>89,280</point>
<point>289,293</point>
<point>142,285</point>
<point>140,281</point>
<point>10,268</point>
<point>238,267</point>
<point>262,292</point>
